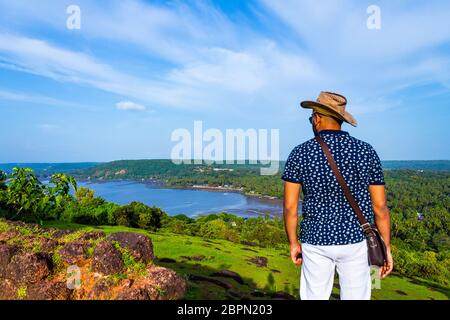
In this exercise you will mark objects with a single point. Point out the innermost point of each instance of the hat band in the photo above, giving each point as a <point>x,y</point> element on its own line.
<point>325,112</point>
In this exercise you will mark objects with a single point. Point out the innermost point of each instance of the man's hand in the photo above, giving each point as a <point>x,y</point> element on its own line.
<point>296,251</point>
<point>388,265</point>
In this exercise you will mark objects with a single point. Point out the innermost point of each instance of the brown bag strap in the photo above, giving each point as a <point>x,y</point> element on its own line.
<point>340,179</point>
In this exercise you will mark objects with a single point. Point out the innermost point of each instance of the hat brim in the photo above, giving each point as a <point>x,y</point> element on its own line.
<point>347,117</point>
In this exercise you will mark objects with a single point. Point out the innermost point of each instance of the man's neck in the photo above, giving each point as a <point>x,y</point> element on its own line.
<point>335,128</point>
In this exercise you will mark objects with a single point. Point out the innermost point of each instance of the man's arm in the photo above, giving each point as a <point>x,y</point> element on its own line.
<point>290,213</point>
<point>383,222</point>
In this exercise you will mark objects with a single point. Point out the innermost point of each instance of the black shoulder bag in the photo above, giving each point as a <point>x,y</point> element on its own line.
<point>375,243</point>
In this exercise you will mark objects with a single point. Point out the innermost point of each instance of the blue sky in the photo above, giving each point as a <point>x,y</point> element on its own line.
<point>137,70</point>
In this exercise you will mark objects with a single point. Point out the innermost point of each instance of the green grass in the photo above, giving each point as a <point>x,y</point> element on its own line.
<point>222,254</point>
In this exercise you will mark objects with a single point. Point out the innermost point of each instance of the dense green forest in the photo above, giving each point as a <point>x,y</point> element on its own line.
<point>419,203</point>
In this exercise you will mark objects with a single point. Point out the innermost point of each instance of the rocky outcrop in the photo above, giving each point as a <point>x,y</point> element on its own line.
<point>52,264</point>
<point>29,267</point>
<point>107,259</point>
<point>138,245</point>
<point>74,252</point>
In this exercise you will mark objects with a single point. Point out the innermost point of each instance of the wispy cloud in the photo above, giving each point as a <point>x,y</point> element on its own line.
<point>207,61</point>
<point>35,99</point>
<point>129,105</point>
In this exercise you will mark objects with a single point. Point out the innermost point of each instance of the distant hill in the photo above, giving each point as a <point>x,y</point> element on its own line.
<point>146,168</point>
<point>49,168</point>
<point>434,165</point>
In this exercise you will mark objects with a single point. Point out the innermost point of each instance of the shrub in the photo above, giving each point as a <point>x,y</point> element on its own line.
<point>218,229</point>
<point>139,215</point>
<point>263,232</point>
<point>91,215</point>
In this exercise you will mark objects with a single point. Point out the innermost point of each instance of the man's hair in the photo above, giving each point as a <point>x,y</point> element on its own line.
<point>339,121</point>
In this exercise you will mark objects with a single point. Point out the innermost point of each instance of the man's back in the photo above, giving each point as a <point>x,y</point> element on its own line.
<point>328,219</point>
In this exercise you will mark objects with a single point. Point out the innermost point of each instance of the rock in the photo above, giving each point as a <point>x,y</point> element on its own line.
<point>106,259</point>
<point>199,257</point>
<point>9,234</point>
<point>91,235</point>
<point>261,262</point>
<point>48,245</point>
<point>234,295</point>
<point>29,267</point>
<point>8,290</point>
<point>49,290</point>
<point>139,246</point>
<point>165,284</point>
<point>59,233</point>
<point>258,294</point>
<point>248,243</point>
<point>228,274</point>
<point>160,284</point>
<point>100,290</point>
<point>16,223</point>
<point>74,252</point>
<point>220,283</point>
<point>282,295</point>
<point>133,294</point>
<point>6,253</point>
<point>167,260</point>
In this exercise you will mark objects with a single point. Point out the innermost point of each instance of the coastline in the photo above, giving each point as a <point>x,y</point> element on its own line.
<point>161,184</point>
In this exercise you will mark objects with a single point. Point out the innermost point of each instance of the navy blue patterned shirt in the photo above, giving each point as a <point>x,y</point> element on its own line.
<point>328,219</point>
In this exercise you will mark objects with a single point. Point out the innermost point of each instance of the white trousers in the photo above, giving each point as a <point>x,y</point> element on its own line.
<point>319,264</point>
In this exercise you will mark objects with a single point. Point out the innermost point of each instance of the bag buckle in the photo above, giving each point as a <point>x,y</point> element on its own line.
<point>366,227</point>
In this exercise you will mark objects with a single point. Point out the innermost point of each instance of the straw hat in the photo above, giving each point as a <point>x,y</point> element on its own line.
<point>331,104</point>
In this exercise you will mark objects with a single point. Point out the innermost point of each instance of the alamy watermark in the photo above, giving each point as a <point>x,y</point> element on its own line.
<point>73,277</point>
<point>375,277</point>
<point>374,20</point>
<point>73,21</point>
<point>233,146</point>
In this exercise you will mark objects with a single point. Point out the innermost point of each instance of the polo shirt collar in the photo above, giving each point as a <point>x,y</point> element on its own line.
<point>333,132</point>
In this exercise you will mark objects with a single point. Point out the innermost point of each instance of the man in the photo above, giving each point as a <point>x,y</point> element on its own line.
<point>330,234</point>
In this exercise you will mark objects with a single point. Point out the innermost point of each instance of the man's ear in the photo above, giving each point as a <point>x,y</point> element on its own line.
<point>317,119</point>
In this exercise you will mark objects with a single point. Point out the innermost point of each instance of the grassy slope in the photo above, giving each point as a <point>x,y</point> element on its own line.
<point>221,254</point>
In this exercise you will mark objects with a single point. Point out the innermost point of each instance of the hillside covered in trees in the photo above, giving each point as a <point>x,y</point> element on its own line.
<point>419,203</point>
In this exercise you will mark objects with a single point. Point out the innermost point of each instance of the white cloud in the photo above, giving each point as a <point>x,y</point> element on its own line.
<point>35,99</point>
<point>128,105</point>
<point>208,61</point>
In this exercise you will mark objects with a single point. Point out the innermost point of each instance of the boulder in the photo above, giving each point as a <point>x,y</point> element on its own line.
<point>8,290</point>
<point>49,290</point>
<point>133,294</point>
<point>91,235</point>
<point>48,245</point>
<point>107,259</point>
<point>160,284</point>
<point>28,268</point>
<point>101,290</point>
<point>282,295</point>
<point>59,233</point>
<point>9,234</point>
<point>74,252</point>
<point>259,261</point>
<point>229,274</point>
<point>164,284</point>
<point>139,245</point>
<point>6,253</point>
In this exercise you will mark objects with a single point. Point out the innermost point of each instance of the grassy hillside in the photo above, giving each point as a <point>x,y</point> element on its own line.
<point>190,255</point>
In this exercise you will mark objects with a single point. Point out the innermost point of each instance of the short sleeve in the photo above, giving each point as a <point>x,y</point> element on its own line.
<point>376,176</point>
<point>292,168</point>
